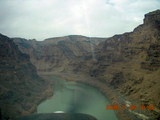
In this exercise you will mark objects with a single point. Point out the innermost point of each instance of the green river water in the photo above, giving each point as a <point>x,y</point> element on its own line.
<point>73,97</point>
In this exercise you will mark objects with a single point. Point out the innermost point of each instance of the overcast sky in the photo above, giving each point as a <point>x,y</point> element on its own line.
<point>42,19</point>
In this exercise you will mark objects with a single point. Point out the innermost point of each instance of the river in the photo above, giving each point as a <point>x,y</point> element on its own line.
<point>74,97</point>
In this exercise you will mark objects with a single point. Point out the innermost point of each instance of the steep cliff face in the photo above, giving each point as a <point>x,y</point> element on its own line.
<point>131,62</point>
<point>21,89</point>
<point>58,54</point>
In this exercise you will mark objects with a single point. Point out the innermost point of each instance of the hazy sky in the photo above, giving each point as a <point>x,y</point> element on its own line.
<point>42,19</point>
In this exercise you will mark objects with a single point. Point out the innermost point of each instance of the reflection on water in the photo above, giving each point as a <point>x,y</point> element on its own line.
<point>59,112</point>
<point>72,97</point>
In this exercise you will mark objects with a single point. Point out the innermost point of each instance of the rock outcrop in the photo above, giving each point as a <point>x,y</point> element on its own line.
<point>21,89</point>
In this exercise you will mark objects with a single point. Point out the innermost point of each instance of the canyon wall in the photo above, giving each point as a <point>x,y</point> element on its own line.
<point>129,63</point>
<point>21,89</point>
<point>58,54</point>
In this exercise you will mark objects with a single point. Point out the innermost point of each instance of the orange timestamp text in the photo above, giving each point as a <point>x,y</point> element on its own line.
<point>130,107</point>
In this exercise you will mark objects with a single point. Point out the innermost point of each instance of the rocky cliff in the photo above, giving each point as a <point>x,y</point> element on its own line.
<point>58,54</point>
<point>21,89</point>
<point>129,63</point>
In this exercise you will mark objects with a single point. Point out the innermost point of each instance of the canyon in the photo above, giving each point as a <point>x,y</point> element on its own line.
<point>126,65</point>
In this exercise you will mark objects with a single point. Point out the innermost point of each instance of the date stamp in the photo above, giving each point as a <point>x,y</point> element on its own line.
<point>129,107</point>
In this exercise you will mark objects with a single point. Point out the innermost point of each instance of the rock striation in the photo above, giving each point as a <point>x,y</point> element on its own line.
<point>58,54</point>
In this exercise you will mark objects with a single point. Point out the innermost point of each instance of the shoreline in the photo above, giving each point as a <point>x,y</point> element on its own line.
<point>107,91</point>
<point>44,96</point>
<point>111,95</point>
<point>114,97</point>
